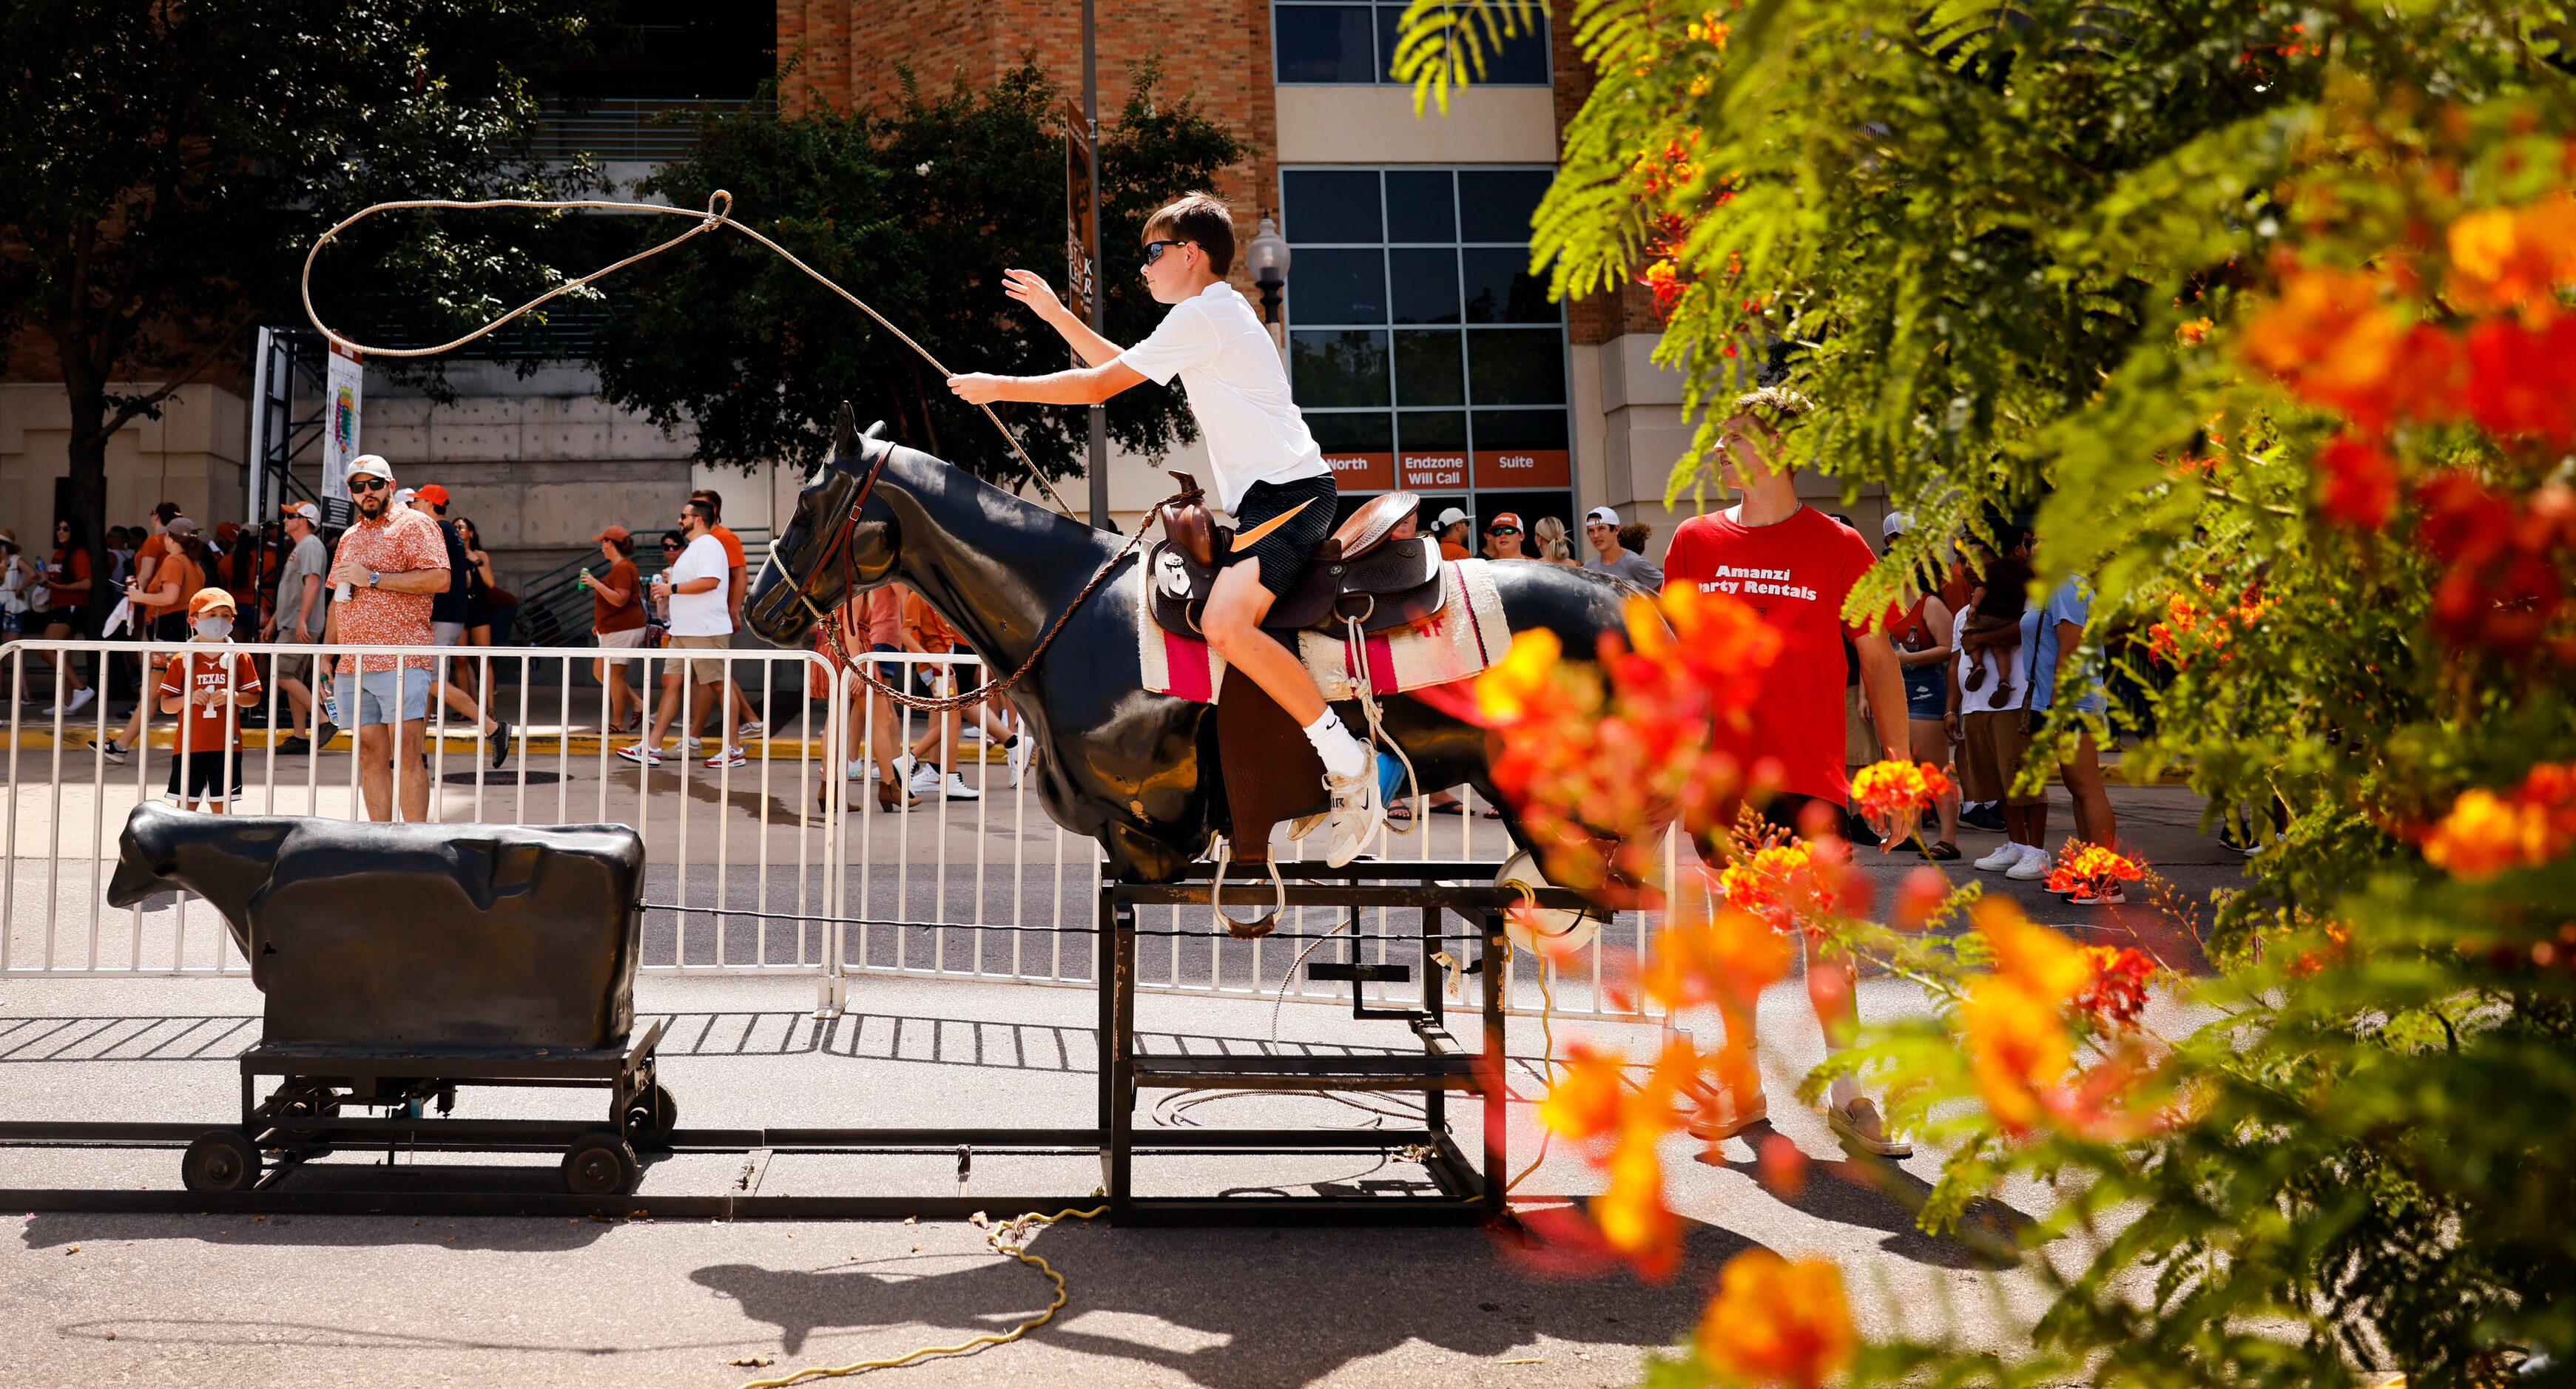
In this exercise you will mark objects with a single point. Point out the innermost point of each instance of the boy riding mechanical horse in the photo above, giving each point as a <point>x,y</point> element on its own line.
<point>1268,468</point>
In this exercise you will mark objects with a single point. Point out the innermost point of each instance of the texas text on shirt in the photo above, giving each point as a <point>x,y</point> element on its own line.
<point>1796,574</point>
<point>1230,370</point>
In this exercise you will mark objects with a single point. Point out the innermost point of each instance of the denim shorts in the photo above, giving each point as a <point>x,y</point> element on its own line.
<point>363,699</point>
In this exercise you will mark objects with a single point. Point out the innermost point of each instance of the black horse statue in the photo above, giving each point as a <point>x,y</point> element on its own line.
<point>1139,772</point>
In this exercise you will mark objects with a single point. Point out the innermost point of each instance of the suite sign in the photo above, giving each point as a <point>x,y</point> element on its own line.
<point>1523,468</point>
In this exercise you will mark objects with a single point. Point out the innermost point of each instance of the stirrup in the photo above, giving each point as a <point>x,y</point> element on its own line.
<point>1259,926</point>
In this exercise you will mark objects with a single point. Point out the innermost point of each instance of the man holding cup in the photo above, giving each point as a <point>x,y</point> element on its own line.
<point>391,563</point>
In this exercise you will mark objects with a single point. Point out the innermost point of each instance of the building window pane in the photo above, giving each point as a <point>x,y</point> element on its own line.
<point>1360,449</point>
<point>1520,62</point>
<point>1516,366</point>
<point>1431,429</point>
<point>1500,288</point>
<point>1423,283</point>
<point>1427,369</point>
<point>1431,449</point>
<point>1496,204</point>
<point>1327,205</point>
<point>1338,287</point>
<point>1521,448</point>
<point>1345,368</point>
<point>1325,43</point>
<point>1421,206</point>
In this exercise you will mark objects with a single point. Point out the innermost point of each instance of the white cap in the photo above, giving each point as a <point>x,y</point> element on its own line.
<point>307,511</point>
<point>1602,514</point>
<point>371,465</point>
<point>1896,524</point>
<point>1448,518</point>
<point>403,496</point>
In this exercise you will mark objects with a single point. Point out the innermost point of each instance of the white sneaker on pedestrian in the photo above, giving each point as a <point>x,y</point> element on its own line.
<point>859,769</point>
<point>750,728</point>
<point>2002,858</point>
<point>80,697</point>
<point>693,745</point>
<point>1355,816</point>
<point>1016,755</point>
<point>923,780</point>
<point>1858,1125</point>
<point>730,757</point>
<point>954,787</point>
<point>641,755</point>
<point>2035,864</point>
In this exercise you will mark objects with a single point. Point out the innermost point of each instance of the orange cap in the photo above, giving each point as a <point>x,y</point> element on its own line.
<point>432,493</point>
<point>208,600</point>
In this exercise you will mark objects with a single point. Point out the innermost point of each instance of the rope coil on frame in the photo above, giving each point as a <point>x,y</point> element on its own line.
<point>718,214</point>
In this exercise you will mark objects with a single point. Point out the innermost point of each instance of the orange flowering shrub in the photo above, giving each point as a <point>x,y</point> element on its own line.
<point>1893,794</point>
<point>1774,1322</point>
<point>2486,834</point>
<point>2082,865</point>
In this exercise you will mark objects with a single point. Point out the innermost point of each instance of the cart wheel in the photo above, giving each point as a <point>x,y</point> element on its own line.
<point>220,1160</point>
<point>599,1164</point>
<point>650,1120</point>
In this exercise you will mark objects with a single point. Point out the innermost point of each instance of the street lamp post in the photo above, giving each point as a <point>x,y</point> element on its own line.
<point>1267,258</point>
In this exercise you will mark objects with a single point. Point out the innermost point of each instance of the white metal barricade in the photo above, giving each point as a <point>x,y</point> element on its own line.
<point>788,864</point>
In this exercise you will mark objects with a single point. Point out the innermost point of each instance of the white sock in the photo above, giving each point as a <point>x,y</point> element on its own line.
<point>1342,753</point>
<point>1843,1091</point>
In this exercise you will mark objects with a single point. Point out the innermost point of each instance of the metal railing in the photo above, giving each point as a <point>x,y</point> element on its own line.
<point>787,865</point>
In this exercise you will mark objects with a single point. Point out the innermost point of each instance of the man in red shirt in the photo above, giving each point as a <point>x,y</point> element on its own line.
<point>1796,566</point>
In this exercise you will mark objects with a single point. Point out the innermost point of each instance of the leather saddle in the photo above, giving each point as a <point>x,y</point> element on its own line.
<point>1362,572</point>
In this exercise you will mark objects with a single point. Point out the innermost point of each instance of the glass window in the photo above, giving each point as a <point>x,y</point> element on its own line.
<point>1496,204</point>
<point>1339,431</point>
<point>1332,43</point>
<point>1423,283</point>
<point>1329,205</point>
<point>1325,43</point>
<point>1427,369</point>
<point>1431,429</point>
<point>1421,206</point>
<point>1516,366</point>
<point>1500,288</point>
<point>1334,286</point>
<point>1338,368</point>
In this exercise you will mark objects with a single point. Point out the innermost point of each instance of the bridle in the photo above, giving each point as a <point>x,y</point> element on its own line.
<point>836,635</point>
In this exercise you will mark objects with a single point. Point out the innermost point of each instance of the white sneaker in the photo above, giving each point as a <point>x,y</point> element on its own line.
<point>923,779</point>
<point>693,745</point>
<point>750,728</point>
<point>1355,816</point>
<point>859,769</point>
<point>80,697</point>
<point>641,755</point>
<point>927,780</point>
<point>730,757</point>
<point>2002,858</point>
<point>2035,863</point>
<point>956,789</point>
<point>1016,755</point>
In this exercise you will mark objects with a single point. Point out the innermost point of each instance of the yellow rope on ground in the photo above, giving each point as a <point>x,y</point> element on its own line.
<point>1019,1230</point>
<point>1547,1043</point>
<point>718,214</point>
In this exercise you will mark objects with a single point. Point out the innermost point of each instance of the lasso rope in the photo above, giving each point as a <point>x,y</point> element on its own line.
<point>1018,1231</point>
<point>717,214</point>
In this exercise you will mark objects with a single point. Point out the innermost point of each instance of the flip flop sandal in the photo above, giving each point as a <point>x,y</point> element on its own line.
<point>1449,808</point>
<point>1942,851</point>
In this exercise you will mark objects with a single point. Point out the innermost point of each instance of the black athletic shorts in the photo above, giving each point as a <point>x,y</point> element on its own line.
<point>1285,552</point>
<point>209,775</point>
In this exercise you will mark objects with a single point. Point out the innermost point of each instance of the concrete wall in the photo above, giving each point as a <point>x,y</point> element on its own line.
<point>539,463</point>
<point>1376,125</point>
<point>191,455</point>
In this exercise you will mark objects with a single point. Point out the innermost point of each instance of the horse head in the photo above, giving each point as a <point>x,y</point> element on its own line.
<point>825,550</point>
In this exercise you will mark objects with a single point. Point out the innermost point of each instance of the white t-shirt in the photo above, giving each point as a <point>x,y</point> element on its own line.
<point>2007,683</point>
<point>700,614</point>
<point>1230,370</point>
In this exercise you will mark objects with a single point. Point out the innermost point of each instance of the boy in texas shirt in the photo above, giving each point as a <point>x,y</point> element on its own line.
<point>1796,565</point>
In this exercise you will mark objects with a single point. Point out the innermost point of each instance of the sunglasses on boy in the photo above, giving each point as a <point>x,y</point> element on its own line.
<point>367,484</point>
<point>1504,530</point>
<point>1154,249</point>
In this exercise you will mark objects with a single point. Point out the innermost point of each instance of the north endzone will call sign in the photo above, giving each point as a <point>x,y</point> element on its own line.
<point>1495,468</point>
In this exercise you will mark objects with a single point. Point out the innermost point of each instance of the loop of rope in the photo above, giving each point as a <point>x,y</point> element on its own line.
<point>718,213</point>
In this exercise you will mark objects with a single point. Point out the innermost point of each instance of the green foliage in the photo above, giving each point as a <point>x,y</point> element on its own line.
<point>918,211</point>
<point>167,167</point>
<point>2014,251</point>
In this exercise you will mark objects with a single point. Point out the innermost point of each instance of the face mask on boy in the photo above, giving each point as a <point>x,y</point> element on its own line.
<point>214,628</point>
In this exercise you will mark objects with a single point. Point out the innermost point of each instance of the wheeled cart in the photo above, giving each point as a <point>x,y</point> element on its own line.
<point>414,1090</point>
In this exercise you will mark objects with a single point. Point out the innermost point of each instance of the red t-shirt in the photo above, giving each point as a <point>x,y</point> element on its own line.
<point>609,617</point>
<point>1796,574</point>
<point>211,727</point>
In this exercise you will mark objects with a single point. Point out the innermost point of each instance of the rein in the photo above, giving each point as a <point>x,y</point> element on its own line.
<point>836,636</point>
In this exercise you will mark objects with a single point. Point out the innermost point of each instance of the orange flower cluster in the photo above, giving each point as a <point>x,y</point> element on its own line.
<point>1893,794</point>
<point>1777,1323</point>
<point>2207,622</point>
<point>2021,1047</point>
<point>2356,483</point>
<point>1596,768</point>
<point>2506,582</point>
<point>2118,992</point>
<point>2512,260</point>
<point>2486,834</point>
<point>1790,882</point>
<point>2082,865</point>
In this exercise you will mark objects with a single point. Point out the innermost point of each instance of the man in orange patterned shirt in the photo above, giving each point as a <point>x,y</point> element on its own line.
<point>390,563</point>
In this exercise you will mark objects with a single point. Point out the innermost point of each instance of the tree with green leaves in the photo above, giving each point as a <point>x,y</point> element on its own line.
<point>917,210</point>
<point>2269,311</point>
<point>168,166</point>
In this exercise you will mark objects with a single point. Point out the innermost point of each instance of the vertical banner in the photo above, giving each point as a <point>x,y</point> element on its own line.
<point>344,392</point>
<point>1081,222</point>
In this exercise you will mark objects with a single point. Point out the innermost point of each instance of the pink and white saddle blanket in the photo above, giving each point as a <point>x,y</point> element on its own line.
<point>1468,634</point>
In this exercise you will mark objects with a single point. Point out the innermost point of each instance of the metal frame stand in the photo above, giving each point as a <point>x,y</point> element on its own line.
<point>1470,1191</point>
